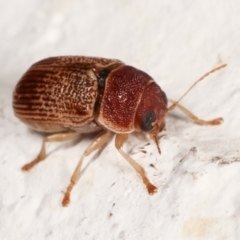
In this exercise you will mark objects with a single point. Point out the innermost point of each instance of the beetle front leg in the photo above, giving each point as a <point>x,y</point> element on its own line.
<point>59,137</point>
<point>119,140</point>
<point>96,144</point>
<point>197,120</point>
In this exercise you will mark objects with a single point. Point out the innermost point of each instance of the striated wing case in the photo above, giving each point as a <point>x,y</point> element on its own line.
<point>58,93</point>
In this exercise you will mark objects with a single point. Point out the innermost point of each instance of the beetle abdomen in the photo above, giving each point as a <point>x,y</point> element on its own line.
<point>58,92</point>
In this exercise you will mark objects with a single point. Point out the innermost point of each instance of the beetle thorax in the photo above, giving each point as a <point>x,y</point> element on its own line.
<point>129,93</point>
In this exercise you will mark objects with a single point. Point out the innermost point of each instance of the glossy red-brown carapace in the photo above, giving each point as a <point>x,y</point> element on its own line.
<point>127,96</point>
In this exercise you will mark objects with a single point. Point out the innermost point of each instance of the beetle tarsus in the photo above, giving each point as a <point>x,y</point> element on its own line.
<point>151,189</point>
<point>66,198</point>
<point>216,121</point>
<point>30,165</point>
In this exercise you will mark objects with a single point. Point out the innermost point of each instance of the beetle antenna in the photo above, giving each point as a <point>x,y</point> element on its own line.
<point>194,84</point>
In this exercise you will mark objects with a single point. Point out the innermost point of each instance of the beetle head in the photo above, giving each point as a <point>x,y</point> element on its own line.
<point>151,111</point>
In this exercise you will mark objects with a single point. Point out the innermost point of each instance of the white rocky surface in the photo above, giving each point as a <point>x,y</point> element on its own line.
<point>198,172</point>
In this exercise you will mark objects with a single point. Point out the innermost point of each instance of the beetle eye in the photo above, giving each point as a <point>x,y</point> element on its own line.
<point>147,121</point>
<point>164,97</point>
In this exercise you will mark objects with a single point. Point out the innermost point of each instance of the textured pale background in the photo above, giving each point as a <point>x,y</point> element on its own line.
<point>198,172</point>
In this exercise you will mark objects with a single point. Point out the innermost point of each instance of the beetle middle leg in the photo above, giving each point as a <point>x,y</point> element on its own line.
<point>215,121</point>
<point>96,144</point>
<point>58,137</point>
<point>119,140</point>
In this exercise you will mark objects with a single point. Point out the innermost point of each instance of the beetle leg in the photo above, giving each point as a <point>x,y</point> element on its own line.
<point>96,144</point>
<point>59,137</point>
<point>215,121</point>
<point>119,140</point>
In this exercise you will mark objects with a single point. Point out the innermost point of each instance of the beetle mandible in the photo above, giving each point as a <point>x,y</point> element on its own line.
<point>71,95</point>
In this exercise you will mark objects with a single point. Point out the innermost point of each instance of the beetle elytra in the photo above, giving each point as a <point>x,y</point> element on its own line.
<point>71,95</point>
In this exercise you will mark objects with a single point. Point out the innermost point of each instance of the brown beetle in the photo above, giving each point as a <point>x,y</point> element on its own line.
<point>72,95</point>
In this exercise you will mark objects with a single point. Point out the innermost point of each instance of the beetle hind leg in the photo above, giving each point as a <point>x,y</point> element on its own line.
<point>119,140</point>
<point>96,144</point>
<point>58,137</point>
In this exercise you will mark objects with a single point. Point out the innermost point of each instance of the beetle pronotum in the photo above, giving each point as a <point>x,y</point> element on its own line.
<point>72,95</point>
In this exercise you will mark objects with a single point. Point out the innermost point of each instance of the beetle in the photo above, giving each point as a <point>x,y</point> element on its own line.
<point>71,95</point>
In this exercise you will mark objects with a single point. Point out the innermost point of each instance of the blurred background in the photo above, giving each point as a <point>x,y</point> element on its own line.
<point>198,172</point>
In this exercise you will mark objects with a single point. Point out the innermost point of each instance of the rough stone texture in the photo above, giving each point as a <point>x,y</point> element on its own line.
<point>198,172</point>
